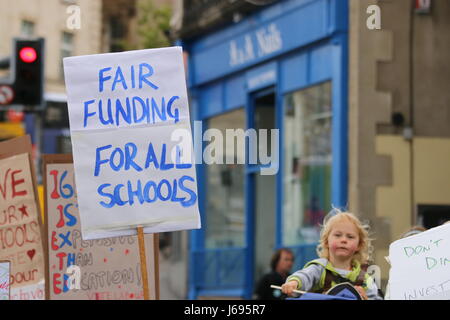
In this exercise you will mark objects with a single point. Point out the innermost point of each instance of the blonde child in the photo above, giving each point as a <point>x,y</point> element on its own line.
<point>343,249</point>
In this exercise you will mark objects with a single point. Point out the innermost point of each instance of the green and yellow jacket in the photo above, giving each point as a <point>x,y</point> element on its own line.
<point>319,276</point>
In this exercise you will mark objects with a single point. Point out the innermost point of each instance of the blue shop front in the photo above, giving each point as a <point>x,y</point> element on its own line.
<point>284,67</point>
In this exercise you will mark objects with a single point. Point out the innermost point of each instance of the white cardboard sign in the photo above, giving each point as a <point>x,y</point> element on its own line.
<point>420,266</point>
<point>132,143</point>
<point>4,280</point>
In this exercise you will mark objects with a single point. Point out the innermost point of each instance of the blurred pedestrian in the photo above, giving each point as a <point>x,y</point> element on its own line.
<point>280,264</point>
<point>413,231</point>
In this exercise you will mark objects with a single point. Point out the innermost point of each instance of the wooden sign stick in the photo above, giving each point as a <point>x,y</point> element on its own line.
<point>143,257</point>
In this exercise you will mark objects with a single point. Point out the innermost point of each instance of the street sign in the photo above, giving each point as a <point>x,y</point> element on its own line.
<point>6,94</point>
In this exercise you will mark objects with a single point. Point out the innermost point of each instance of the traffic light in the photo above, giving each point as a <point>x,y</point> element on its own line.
<point>28,71</point>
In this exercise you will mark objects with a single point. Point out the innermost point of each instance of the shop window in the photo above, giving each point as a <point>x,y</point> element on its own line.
<point>64,143</point>
<point>67,49</point>
<point>117,34</point>
<point>307,163</point>
<point>431,216</point>
<point>27,29</point>
<point>56,115</point>
<point>225,214</point>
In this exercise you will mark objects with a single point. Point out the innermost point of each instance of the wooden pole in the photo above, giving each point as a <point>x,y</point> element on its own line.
<point>143,258</point>
<point>279,288</point>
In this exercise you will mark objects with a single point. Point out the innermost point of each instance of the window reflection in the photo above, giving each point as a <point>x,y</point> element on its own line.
<point>307,164</point>
<point>225,190</point>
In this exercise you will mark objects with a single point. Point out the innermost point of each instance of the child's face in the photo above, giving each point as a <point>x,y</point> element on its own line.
<point>343,240</point>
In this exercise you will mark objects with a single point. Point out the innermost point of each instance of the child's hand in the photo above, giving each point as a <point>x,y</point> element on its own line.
<point>289,287</point>
<point>362,292</point>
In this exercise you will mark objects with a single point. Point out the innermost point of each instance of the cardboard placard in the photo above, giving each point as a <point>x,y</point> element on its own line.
<point>132,142</point>
<point>4,280</point>
<point>420,265</point>
<point>109,269</point>
<point>20,220</point>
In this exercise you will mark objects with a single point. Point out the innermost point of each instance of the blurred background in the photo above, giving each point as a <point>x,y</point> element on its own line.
<point>357,88</point>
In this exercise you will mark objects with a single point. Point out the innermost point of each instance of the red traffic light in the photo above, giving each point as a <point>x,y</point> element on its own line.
<point>28,54</point>
<point>28,66</point>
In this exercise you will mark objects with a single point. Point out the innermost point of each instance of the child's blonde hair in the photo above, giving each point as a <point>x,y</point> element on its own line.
<point>365,247</point>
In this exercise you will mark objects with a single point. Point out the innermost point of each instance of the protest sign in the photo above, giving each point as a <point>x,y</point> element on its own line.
<point>132,144</point>
<point>105,269</point>
<point>4,280</point>
<point>420,265</point>
<point>20,220</point>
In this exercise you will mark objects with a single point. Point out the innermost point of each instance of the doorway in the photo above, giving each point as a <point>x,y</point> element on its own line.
<point>263,191</point>
<point>431,216</point>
